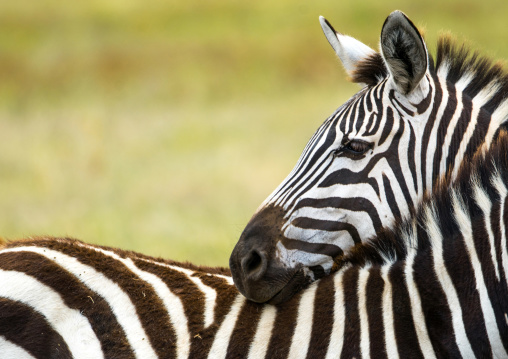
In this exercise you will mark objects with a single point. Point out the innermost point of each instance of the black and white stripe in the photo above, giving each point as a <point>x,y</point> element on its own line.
<point>436,286</point>
<point>374,159</point>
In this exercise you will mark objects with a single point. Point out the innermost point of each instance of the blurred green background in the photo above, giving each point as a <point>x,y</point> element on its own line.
<point>160,126</point>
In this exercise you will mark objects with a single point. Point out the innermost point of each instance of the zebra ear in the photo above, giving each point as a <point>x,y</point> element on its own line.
<point>349,50</point>
<point>404,52</point>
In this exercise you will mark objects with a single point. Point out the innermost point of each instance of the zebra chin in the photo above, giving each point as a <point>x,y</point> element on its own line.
<point>275,286</point>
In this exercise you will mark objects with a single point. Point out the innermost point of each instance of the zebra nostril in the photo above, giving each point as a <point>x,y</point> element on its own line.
<point>254,265</point>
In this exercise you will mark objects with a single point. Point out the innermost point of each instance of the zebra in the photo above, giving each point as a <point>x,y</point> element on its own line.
<point>434,286</point>
<point>414,121</point>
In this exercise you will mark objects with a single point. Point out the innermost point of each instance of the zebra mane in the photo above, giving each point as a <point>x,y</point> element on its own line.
<point>455,61</point>
<point>485,173</point>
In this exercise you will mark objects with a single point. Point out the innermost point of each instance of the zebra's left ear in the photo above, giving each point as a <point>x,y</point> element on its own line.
<point>404,52</point>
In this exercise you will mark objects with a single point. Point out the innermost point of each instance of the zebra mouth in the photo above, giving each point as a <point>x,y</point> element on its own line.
<point>298,282</point>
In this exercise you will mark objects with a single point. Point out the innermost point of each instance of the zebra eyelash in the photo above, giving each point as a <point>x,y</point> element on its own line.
<point>353,149</point>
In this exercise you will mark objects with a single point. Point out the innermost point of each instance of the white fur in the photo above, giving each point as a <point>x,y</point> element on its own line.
<point>339,317</point>
<point>498,183</point>
<point>464,222</point>
<point>209,293</point>
<point>171,301</point>
<point>118,300</point>
<point>363,277</point>
<point>452,298</point>
<point>388,323</point>
<point>301,336</point>
<point>483,201</point>
<point>9,350</point>
<point>222,338</point>
<point>348,49</point>
<point>433,136</point>
<point>259,345</point>
<point>74,328</point>
<point>416,305</point>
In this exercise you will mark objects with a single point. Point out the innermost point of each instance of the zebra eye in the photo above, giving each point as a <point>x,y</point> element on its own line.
<point>356,147</point>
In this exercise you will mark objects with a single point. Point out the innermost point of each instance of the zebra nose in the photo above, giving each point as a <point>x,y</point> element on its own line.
<point>254,264</point>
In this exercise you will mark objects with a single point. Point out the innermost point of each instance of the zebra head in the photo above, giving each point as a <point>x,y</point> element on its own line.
<point>370,161</point>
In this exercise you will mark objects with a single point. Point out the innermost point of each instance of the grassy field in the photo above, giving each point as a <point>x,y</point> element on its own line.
<point>160,126</point>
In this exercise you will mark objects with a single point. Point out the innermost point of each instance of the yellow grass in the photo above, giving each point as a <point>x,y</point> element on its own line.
<point>160,126</point>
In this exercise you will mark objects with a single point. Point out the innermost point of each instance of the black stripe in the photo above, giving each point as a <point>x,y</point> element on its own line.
<point>316,248</point>
<point>479,133</point>
<point>379,108</point>
<point>245,329</point>
<point>193,302</point>
<point>438,96</point>
<point>459,131</point>
<point>345,176</point>
<point>284,327</point>
<point>425,103</point>
<point>388,128</point>
<point>351,348</point>
<point>411,155</point>
<point>352,204</point>
<point>405,334</point>
<point>351,116</point>
<point>330,226</point>
<point>390,197</point>
<point>451,107</point>
<point>374,294</point>
<point>75,295</point>
<point>434,306</point>
<point>455,252</point>
<point>148,304</point>
<point>360,118</point>
<point>28,329</point>
<point>497,293</point>
<point>368,102</point>
<point>322,322</point>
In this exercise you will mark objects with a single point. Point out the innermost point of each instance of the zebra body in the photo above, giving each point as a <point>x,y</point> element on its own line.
<point>374,159</point>
<point>435,287</point>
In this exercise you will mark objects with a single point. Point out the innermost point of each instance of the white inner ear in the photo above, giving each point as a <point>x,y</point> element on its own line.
<point>349,50</point>
<point>419,93</point>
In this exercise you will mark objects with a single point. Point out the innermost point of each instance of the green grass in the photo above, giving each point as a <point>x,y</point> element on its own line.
<point>161,126</point>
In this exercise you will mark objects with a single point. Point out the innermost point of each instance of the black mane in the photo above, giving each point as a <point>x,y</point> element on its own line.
<point>453,59</point>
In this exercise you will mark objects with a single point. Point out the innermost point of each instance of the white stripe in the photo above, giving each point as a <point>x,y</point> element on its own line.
<point>74,328</point>
<point>263,334</point>
<point>388,324</point>
<point>118,300</point>
<point>171,301</point>
<point>209,293</point>
<point>173,304</point>
<point>339,318</point>
<point>464,222</point>
<point>9,350</point>
<point>363,277</point>
<point>483,201</point>
<point>481,98</point>
<point>497,118</point>
<point>448,139</point>
<point>497,182</point>
<point>431,148</point>
<point>446,283</point>
<point>222,337</point>
<point>301,336</point>
<point>416,308</point>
